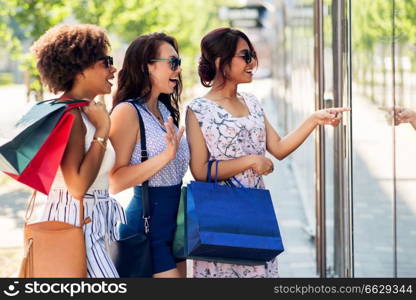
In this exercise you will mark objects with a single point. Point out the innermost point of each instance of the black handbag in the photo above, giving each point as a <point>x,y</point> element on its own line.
<point>132,256</point>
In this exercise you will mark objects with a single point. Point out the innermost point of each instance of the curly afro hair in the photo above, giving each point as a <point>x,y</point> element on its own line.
<point>66,50</point>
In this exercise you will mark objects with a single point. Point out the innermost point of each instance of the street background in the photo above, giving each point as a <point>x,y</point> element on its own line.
<point>312,53</point>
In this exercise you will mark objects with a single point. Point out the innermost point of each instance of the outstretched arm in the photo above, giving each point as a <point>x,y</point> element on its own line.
<point>282,147</point>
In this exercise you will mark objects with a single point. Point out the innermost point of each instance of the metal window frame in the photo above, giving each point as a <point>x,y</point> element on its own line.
<point>319,141</point>
<point>343,212</point>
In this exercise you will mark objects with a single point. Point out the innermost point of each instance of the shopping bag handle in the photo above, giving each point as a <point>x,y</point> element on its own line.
<point>30,206</point>
<point>228,181</point>
<point>210,162</point>
<point>209,171</point>
<point>55,101</point>
<point>40,102</point>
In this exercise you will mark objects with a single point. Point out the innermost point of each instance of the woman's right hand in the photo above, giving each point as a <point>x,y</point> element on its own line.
<point>261,165</point>
<point>98,115</point>
<point>172,138</point>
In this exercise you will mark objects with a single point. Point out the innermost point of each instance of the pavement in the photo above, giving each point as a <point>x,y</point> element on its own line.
<point>376,187</point>
<point>298,259</point>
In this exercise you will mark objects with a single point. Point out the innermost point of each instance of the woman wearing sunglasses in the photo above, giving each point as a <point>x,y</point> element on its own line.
<point>231,127</point>
<point>83,71</point>
<point>150,82</point>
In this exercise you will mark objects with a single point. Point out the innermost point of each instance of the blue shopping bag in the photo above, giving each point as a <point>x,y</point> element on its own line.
<point>231,222</point>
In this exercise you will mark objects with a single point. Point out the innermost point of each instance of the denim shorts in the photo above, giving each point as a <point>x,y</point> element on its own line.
<point>164,202</point>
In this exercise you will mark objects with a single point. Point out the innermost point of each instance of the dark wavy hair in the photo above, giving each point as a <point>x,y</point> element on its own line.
<point>133,78</point>
<point>66,50</point>
<point>219,43</point>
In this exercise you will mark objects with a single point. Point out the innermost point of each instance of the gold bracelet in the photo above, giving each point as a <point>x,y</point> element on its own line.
<point>100,143</point>
<point>100,139</point>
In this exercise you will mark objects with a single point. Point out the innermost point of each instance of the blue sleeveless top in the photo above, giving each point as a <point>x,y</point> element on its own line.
<point>174,171</point>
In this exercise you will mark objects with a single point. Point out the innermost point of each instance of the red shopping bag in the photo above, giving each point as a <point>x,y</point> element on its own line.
<point>41,171</point>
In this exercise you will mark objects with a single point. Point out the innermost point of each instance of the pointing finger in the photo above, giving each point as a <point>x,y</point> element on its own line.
<point>340,109</point>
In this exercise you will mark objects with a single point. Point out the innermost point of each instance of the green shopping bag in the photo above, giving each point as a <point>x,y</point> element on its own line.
<point>179,240</point>
<point>29,134</point>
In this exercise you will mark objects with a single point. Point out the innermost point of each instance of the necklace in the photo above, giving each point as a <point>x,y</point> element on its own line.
<point>157,115</point>
<point>221,97</point>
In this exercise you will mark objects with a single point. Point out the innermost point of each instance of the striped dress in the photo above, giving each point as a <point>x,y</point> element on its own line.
<point>105,212</point>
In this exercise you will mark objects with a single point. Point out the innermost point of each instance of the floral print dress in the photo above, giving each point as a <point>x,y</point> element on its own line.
<point>229,137</point>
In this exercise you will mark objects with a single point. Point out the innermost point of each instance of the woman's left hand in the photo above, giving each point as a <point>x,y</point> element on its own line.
<point>173,139</point>
<point>330,116</point>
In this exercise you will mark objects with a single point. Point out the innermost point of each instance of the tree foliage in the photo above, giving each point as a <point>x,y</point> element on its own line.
<point>23,21</point>
<point>186,20</point>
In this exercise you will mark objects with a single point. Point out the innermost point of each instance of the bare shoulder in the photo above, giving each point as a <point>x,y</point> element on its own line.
<point>124,113</point>
<point>198,104</point>
<point>124,124</point>
<point>190,116</point>
<point>124,108</point>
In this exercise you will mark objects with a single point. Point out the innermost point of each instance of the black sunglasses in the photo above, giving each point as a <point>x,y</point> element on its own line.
<point>174,62</point>
<point>108,60</point>
<point>248,55</point>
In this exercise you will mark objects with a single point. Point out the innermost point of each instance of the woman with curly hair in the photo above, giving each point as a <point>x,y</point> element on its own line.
<point>150,83</point>
<point>73,60</point>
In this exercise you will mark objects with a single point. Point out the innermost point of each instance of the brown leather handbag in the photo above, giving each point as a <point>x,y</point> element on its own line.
<point>53,249</point>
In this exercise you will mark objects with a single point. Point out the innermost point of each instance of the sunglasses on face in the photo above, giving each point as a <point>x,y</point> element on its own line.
<point>174,62</point>
<point>108,61</point>
<point>248,55</point>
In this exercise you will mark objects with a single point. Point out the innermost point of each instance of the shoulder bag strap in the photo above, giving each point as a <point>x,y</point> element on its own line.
<point>145,185</point>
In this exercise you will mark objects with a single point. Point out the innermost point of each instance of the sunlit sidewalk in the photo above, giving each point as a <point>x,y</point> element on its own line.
<point>298,259</point>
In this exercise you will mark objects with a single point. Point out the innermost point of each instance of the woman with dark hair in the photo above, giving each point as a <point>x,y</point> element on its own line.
<point>231,127</point>
<point>150,82</point>
<point>73,59</point>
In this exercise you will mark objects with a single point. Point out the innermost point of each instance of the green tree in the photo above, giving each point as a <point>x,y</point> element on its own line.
<point>22,22</point>
<point>186,20</point>
<point>371,27</point>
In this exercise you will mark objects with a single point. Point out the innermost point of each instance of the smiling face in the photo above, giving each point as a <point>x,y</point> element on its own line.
<point>162,77</point>
<point>239,71</point>
<point>97,78</point>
